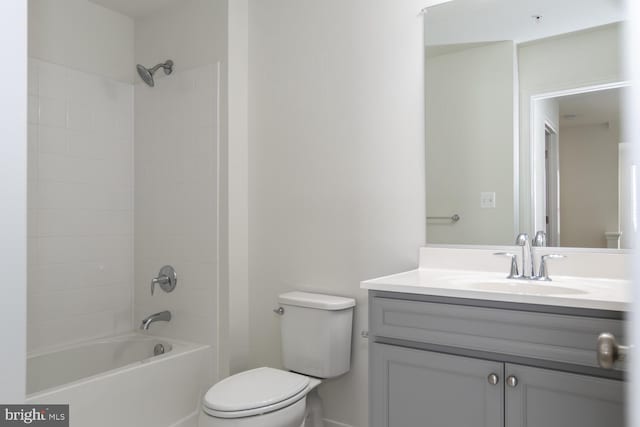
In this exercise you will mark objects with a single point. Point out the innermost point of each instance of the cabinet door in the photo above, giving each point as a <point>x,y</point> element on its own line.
<point>545,398</point>
<point>416,388</point>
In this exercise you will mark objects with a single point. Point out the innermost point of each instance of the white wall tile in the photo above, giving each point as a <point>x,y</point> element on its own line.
<point>52,250</point>
<point>81,116</point>
<point>33,142</point>
<point>80,275</point>
<point>76,328</point>
<point>52,80</point>
<point>84,222</point>
<point>83,88</point>
<point>80,206</point>
<point>32,77</point>
<point>53,111</point>
<point>52,140</point>
<point>33,108</point>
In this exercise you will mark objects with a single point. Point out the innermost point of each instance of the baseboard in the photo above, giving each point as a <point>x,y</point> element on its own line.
<point>190,420</point>
<point>331,423</point>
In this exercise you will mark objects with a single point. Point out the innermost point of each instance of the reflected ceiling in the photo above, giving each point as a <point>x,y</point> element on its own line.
<point>499,20</point>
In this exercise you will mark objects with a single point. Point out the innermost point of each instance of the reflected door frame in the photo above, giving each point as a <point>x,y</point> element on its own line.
<point>537,148</point>
<point>552,181</point>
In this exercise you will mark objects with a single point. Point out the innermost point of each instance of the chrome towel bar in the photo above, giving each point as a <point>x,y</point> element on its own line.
<point>453,218</point>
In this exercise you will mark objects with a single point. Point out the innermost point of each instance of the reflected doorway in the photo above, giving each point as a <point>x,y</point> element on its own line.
<point>552,178</point>
<point>583,187</point>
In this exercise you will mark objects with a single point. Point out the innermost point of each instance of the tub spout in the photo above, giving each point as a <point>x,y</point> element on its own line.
<point>163,315</point>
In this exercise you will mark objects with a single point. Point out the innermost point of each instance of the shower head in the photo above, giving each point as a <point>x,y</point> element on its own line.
<point>146,74</point>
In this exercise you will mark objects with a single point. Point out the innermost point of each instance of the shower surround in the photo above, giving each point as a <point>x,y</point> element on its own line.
<point>123,177</point>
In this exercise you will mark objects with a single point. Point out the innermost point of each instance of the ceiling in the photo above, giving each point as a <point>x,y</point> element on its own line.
<point>591,108</point>
<point>135,8</point>
<point>476,21</point>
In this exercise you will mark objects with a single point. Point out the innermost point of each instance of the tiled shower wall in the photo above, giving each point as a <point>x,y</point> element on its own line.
<point>176,204</point>
<point>80,191</point>
<point>179,181</point>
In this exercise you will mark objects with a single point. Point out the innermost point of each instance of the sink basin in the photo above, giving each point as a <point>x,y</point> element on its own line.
<point>526,288</point>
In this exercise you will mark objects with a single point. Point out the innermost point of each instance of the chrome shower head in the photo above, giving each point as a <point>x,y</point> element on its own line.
<point>146,74</point>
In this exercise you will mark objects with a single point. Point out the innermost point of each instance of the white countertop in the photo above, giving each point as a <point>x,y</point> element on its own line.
<point>564,291</point>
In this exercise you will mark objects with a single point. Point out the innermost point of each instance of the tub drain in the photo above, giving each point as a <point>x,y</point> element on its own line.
<point>158,350</point>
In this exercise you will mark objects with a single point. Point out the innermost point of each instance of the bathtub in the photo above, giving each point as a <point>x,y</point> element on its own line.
<point>133,380</point>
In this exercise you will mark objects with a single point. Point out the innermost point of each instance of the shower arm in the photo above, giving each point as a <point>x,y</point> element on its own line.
<point>157,67</point>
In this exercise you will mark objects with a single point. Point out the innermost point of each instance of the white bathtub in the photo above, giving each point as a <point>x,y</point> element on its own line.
<point>119,382</point>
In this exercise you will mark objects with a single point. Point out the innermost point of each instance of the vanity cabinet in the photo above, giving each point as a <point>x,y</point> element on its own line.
<point>449,363</point>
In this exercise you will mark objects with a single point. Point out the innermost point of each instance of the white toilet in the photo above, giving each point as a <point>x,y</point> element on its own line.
<point>316,343</point>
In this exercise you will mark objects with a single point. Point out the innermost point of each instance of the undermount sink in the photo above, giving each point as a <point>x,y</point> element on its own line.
<point>526,288</point>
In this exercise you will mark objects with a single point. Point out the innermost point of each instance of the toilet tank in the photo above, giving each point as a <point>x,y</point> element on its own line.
<point>316,333</point>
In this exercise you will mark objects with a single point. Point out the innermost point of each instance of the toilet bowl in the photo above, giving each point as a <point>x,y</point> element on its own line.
<point>316,343</point>
<point>262,397</point>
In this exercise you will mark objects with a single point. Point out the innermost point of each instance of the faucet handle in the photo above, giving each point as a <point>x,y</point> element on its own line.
<point>543,274</point>
<point>160,280</point>
<point>167,279</point>
<point>513,273</point>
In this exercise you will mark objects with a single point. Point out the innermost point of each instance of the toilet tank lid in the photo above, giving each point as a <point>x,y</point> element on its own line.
<point>318,301</point>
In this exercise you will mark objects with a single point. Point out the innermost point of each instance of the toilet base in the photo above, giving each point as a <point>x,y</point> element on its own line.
<point>313,416</point>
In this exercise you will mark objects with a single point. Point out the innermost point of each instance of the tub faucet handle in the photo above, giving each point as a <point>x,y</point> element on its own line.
<point>167,279</point>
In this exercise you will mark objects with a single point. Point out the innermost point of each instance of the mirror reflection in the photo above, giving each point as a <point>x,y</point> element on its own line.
<point>524,123</point>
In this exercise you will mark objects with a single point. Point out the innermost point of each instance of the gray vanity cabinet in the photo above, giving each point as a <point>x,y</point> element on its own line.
<point>437,362</point>
<point>413,388</point>
<point>547,398</point>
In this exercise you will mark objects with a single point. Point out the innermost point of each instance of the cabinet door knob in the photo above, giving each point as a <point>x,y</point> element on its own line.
<point>512,381</point>
<point>493,379</point>
<point>609,351</point>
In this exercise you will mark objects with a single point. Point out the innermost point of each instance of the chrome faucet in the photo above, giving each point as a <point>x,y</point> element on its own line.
<point>528,258</point>
<point>156,317</point>
<point>523,241</point>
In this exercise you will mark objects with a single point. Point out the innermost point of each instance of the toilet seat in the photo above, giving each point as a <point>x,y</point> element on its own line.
<point>255,392</point>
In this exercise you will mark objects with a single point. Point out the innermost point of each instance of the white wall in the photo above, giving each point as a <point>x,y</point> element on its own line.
<point>80,205</point>
<point>566,62</point>
<point>588,184</point>
<point>13,193</point>
<point>336,163</point>
<point>80,162</point>
<point>83,36</point>
<point>179,138</point>
<point>190,32</point>
<point>470,99</point>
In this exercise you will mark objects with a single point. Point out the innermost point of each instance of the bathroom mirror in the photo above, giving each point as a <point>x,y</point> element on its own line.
<point>524,123</point>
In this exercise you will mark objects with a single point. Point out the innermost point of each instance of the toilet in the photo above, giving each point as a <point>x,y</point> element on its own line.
<point>316,345</point>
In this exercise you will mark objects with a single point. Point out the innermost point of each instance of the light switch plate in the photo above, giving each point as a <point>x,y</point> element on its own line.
<point>488,200</point>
